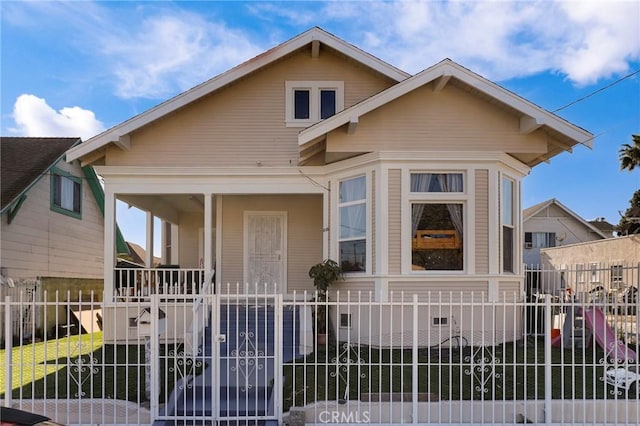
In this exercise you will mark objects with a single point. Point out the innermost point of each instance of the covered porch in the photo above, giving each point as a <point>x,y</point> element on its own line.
<point>260,238</point>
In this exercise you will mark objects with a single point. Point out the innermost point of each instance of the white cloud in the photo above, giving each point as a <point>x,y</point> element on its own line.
<point>586,40</point>
<point>172,53</point>
<point>34,117</point>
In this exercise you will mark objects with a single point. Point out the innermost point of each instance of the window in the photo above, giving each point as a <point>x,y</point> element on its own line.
<point>616,275</point>
<point>308,102</point>
<point>352,206</point>
<point>594,272</point>
<point>580,273</point>
<point>66,193</point>
<point>539,239</point>
<point>508,224</point>
<point>437,228</point>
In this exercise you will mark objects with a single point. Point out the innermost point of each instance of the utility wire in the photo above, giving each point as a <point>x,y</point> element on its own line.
<point>597,91</point>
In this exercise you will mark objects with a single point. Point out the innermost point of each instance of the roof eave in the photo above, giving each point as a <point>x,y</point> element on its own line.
<point>447,69</point>
<point>117,133</point>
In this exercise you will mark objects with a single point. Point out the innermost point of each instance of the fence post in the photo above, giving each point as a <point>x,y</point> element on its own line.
<point>153,360</point>
<point>8,351</point>
<point>414,359</point>
<point>547,361</point>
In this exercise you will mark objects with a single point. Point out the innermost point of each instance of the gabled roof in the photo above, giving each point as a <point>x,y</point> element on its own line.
<point>530,212</point>
<point>532,116</point>
<point>25,160</point>
<point>315,37</point>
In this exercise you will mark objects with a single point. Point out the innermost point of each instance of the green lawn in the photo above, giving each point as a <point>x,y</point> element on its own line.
<point>504,372</point>
<point>82,366</point>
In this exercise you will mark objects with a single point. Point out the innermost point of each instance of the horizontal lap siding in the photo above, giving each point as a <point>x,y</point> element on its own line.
<point>304,235</point>
<point>394,219</point>
<point>452,120</point>
<point>245,122</point>
<point>436,287</point>
<point>482,221</point>
<point>41,242</point>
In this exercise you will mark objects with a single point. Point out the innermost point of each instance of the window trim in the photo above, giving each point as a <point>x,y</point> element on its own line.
<point>409,198</point>
<point>314,88</point>
<point>59,209</point>
<point>367,233</point>
<point>513,225</point>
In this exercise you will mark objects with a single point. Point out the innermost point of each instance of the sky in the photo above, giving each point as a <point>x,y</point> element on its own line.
<point>77,68</point>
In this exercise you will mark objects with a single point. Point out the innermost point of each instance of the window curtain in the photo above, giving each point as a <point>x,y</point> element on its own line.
<point>452,182</point>
<point>420,182</point>
<point>66,193</point>
<point>353,217</point>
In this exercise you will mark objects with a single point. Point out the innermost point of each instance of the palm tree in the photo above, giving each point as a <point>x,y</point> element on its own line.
<point>630,154</point>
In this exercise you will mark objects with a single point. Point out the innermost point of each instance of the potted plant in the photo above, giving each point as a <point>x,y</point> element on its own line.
<point>323,274</point>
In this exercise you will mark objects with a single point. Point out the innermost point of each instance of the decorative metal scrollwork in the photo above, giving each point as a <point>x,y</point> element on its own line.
<point>482,367</point>
<point>347,358</point>
<point>186,365</point>
<point>81,370</point>
<point>246,356</point>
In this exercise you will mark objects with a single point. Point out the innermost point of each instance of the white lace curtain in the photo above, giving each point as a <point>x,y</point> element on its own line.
<point>448,182</point>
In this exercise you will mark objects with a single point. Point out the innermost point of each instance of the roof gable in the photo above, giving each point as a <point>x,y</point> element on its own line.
<point>532,116</point>
<point>25,160</point>
<point>534,210</point>
<point>315,36</point>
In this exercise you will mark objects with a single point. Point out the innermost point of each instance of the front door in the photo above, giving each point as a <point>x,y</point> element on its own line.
<point>265,261</point>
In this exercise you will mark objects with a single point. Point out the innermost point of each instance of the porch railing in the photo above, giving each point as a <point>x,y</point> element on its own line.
<point>134,283</point>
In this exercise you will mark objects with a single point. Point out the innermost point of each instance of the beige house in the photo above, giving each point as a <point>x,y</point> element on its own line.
<point>316,149</point>
<point>552,224</point>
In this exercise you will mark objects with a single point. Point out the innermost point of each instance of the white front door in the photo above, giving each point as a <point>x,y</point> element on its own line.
<point>265,261</point>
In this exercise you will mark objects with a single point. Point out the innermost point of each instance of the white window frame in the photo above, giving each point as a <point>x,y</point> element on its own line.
<point>367,233</point>
<point>409,198</point>
<point>314,88</point>
<point>513,226</point>
<point>616,271</point>
<point>594,272</point>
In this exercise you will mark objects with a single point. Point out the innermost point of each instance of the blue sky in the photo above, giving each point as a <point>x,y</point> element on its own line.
<point>77,68</point>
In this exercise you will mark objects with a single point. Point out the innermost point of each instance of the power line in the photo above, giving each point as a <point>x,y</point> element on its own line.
<point>597,91</point>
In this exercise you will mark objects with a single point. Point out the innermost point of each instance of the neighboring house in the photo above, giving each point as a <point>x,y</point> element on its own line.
<point>316,149</point>
<point>601,224</point>
<point>551,224</point>
<point>612,264</point>
<point>52,221</point>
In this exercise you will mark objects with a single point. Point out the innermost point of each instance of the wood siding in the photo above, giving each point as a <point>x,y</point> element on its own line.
<point>304,235</point>
<point>394,221</point>
<point>482,221</point>
<point>245,122</point>
<point>452,120</point>
<point>43,243</point>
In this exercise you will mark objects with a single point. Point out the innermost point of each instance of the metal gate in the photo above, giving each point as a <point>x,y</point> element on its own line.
<point>228,369</point>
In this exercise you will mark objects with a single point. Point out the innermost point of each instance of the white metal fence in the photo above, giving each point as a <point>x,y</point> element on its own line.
<point>452,358</point>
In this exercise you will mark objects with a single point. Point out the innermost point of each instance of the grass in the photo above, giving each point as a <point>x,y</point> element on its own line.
<point>514,371</point>
<point>82,366</point>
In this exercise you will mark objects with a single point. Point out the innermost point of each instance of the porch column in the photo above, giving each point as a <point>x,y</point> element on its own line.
<point>208,230</point>
<point>109,243</point>
<point>148,261</point>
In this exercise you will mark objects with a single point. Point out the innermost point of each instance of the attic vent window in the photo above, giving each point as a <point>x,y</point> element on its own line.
<point>307,102</point>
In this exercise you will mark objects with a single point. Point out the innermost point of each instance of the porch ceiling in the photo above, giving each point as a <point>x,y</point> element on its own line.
<point>166,206</point>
